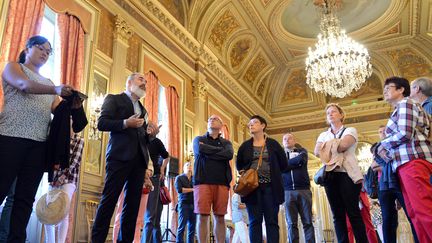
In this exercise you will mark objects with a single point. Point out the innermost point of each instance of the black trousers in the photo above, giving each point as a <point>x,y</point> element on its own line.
<point>152,228</point>
<point>23,159</point>
<point>343,196</point>
<point>119,174</point>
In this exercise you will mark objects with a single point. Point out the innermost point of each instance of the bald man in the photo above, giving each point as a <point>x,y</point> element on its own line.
<point>212,177</point>
<point>298,196</point>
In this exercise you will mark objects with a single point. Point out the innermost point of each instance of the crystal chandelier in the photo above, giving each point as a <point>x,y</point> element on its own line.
<point>338,65</point>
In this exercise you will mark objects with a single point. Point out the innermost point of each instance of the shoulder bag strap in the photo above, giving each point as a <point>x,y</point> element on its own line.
<point>343,130</point>
<point>260,157</point>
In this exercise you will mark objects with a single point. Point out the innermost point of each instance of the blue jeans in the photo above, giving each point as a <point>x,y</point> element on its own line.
<point>186,216</point>
<point>390,215</point>
<point>266,207</point>
<point>299,202</point>
<point>6,213</point>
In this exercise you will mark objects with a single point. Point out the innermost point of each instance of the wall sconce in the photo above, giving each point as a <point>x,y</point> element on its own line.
<point>189,155</point>
<point>95,109</point>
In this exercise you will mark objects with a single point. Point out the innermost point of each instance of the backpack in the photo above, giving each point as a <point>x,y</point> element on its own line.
<point>371,183</point>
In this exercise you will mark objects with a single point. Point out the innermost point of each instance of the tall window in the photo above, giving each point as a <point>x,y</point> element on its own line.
<point>50,31</point>
<point>163,117</point>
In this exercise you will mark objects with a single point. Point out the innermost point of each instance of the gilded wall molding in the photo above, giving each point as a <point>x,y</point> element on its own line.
<point>414,17</point>
<point>199,89</point>
<point>242,122</point>
<point>351,111</point>
<point>123,30</point>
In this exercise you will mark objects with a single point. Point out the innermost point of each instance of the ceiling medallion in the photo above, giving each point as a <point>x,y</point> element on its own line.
<point>338,65</point>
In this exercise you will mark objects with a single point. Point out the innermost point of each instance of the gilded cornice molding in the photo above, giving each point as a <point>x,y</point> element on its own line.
<point>390,43</point>
<point>123,30</point>
<point>257,22</point>
<point>176,30</point>
<point>312,117</point>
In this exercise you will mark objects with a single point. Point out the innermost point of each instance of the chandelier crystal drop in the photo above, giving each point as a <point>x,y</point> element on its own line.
<point>338,65</point>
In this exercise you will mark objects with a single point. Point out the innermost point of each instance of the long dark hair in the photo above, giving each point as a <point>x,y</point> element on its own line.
<point>35,40</point>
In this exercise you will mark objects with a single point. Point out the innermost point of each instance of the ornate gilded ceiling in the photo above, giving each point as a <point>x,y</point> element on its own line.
<point>263,44</point>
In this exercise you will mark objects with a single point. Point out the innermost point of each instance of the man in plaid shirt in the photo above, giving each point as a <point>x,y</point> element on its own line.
<point>66,180</point>
<point>408,149</point>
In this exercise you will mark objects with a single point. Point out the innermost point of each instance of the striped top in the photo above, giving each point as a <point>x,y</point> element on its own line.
<point>26,115</point>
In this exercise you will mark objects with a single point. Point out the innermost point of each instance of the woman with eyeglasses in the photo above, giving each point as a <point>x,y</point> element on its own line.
<point>265,200</point>
<point>29,99</point>
<point>409,151</point>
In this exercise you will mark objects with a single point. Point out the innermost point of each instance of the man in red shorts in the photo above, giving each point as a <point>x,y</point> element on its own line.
<point>212,177</point>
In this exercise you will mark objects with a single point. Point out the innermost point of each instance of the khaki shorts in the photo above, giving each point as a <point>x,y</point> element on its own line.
<point>208,196</point>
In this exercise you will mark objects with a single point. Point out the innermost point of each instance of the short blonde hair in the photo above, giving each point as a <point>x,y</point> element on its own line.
<point>341,111</point>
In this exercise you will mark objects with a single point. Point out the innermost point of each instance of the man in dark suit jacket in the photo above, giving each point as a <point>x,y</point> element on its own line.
<point>126,157</point>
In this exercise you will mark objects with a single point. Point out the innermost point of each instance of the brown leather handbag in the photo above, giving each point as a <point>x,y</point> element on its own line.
<point>248,180</point>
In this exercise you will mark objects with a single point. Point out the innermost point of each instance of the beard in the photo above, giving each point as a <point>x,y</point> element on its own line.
<point>138,91</point>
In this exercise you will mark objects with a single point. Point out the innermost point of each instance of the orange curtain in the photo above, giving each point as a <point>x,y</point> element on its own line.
<point>72,70</point>
<point>151,102</point>
<point>72,50</point>
<point>173,144</point>
<point>23,21</point>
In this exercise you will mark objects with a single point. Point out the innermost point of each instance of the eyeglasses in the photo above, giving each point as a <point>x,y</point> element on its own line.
<point>214,119</point>
<point>387,88</point>
<point>49,52</point>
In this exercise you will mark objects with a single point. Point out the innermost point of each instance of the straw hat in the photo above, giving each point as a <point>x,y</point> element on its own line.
<point>52,207</point>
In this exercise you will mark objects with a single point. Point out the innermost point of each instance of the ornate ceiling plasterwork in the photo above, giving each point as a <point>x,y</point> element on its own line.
<point>224,27</point>
<point>399,43</point>
<point>239,51</point>
<point>154,9</point>
<point>411,64</point>
<point>258,65</point>
<point>359,33</point>
<point>262,28</point>
<point>296,90</point>
<point>392,31</point>
<point>353,14</point>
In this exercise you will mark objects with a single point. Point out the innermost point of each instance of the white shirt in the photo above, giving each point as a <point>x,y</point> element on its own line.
<point>328,135</point>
